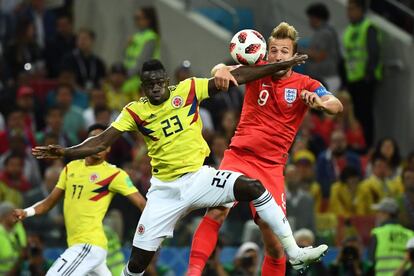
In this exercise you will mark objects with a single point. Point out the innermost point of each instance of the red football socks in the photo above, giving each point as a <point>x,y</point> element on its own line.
<point>204,242</point>
<point>274,267</point>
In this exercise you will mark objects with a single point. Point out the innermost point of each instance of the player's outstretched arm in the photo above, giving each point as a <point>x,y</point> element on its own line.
<point>88,147</point>
<point>138,200</point>
<point>40,207</point>
<point>244,74</point>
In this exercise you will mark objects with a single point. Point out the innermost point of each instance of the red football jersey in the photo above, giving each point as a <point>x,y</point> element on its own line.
<point>271,115</point>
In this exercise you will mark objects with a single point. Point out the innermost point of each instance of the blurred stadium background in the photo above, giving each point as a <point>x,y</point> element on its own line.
<point>46,99</point>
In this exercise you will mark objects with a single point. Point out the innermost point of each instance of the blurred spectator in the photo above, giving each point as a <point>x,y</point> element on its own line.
<point>88,68</point>
<point>228,124</point>
<point>116,89</point>
<point>80,97</point>
<point>218,145</point>
<point>213,266</point>
<point>54,126</point>
<point>410,160</point>
<point>15,126</point>
<point>323,51</point>
<point>305,164</point>
<point>59,45</point>
<point>25,101</point>
<point>304,238</point>
<point>98,101</point>
<point>406,201</point>
<point>387,248</point>
<point>308,137</point>
<point>5,30</point>
<point>23,54</point>
<point>73,123</point>
<point>10,194</point>
<point>42,19</point>
<point>407,267</point>
<point>349,124</point>
<point>31,170</point>
<point>363,64</point>
<point>343,197</point>
<point>389,150</point>
<point>332,161</point>
<point>50,225</point>
<point>350,260</point>
<point>183,71</point>
<point>246,260</point>
<point>299,203</point>
<point>12,173</point>
<point>373,189</point>
<point>12,240</point>
<point>142,46</point>
<point>36,263</point>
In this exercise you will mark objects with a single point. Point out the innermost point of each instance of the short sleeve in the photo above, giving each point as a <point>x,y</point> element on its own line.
<point>125,120</point>
<point>201,88</point>
<point>317,87</point>
<point>62,179</point>
<point>122,184</point>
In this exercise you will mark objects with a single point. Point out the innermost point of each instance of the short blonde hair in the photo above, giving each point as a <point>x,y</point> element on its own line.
<point>283,31</point>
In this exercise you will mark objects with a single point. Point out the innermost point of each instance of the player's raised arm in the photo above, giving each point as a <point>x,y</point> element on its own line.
<point>88,147</point>
<point>40,207</point>
<point>244,74</point>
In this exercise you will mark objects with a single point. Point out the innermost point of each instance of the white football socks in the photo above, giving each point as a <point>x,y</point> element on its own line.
<point>272,214</point>
<point>126,272</point>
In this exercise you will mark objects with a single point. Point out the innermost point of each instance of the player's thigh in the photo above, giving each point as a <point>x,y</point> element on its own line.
<point>160,215</point>
<point>210,188</point>
<point>101,270</point>
<point>79,259</point>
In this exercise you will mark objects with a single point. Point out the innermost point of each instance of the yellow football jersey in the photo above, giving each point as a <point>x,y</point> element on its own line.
<point>88,193</point>
<point>172,130</point>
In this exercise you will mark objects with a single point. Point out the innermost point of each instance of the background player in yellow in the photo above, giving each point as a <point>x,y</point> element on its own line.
<point>88,186</point>
<point>169,120</point>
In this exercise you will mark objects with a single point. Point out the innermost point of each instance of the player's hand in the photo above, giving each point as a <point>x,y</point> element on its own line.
<point>48,152</point>
<point>312,100</point>
<point>223,77</point>
<point>19,214</point>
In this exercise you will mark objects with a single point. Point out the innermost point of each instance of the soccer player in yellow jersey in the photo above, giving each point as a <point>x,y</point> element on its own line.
<point>169,120</point>
<point>88,186</point>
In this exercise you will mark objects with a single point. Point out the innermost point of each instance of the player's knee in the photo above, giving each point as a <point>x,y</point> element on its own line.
<point>218,215</point>
<point>256,189</point>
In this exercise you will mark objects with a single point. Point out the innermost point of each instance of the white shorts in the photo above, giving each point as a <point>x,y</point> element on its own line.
<point>167,202</point>
<point>81,259</point>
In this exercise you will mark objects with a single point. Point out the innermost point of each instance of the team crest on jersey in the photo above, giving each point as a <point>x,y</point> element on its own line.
<point>290,94</point>
<point>93,177</point>
<point>177,101</point>
<point>141,229</point>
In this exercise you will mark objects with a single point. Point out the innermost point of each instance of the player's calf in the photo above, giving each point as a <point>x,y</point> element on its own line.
<point>138,262</point>
<point>246,189</point>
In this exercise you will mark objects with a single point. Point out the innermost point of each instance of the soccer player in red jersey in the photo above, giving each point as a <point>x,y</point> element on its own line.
<point>273,110</point>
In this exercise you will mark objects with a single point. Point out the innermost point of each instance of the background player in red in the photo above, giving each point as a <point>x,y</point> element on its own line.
<point>273,110</point>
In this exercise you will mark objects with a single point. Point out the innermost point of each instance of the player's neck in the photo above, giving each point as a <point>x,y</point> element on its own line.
<point>92,161</point>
